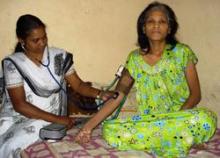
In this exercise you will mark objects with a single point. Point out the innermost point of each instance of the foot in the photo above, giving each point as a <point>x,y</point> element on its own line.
<point>203,146</point>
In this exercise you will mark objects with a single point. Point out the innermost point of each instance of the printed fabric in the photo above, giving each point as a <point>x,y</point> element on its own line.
<point>159,127</point>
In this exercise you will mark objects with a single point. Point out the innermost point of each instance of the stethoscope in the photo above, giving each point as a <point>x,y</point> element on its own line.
<point>60,84</point>
<point>51,74</point>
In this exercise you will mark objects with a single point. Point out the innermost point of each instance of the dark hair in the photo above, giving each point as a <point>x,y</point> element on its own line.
<point>25,24</point>
<point>172,22</point>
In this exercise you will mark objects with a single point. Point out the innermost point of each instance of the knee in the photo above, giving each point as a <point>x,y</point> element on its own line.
<point>207,120</point>
<point>207,116</point>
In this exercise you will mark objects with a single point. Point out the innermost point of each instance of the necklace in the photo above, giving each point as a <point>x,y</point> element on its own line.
<point>34,59</point>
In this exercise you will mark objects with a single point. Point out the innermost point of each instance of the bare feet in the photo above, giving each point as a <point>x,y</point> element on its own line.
<point>203,146</point>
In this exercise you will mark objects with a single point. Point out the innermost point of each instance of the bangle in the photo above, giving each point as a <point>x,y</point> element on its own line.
<point>98,95</point>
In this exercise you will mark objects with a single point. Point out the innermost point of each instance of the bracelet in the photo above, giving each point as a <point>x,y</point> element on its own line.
<point>82,132</point>
<point>99,95</point>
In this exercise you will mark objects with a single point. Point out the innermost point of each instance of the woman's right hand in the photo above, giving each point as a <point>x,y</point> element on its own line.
<point>85,133</point>
<point>69,122</point>
<point>83,136</point>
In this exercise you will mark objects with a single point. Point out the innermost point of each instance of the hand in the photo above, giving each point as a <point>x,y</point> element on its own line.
<point>185,107</point>
<point>69,122</point>
<point>83,136</point>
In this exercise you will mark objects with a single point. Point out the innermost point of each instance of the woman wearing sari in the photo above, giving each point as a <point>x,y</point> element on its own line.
<point>35,78</point>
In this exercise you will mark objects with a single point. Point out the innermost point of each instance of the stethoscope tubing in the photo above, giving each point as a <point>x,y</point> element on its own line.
<point>48,68</point>
<point>59,84</point>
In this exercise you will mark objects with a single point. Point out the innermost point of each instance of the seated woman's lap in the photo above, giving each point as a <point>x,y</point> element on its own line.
<point>165,134</point>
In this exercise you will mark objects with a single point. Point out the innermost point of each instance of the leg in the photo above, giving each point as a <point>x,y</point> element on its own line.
<point>166,135</point>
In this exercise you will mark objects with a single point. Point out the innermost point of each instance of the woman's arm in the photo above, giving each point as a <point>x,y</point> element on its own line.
<point>17,96</point>
<point>194,87</point>
<point>123,87</point>
<point>80,86</point>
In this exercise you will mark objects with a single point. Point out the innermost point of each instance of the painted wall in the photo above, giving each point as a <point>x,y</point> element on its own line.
<point>100,34</point>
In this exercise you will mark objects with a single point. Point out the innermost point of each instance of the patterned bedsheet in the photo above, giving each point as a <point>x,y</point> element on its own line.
<point>98,148</point>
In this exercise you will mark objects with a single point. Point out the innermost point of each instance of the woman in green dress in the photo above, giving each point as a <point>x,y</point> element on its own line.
<point>163,71</point>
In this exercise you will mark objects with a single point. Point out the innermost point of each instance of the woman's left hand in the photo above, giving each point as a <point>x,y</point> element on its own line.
<point>105,95</point>
<point>83,136</point>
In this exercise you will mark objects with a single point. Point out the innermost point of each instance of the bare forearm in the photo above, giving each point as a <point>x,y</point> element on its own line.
<point>123,87</point>
<point>191,102</point>
<point>86,90</point>
<point>104,112</point>
<point>80,86</point>
<point>27,109</point>
<point>194,87</point>
<point>33,112</point>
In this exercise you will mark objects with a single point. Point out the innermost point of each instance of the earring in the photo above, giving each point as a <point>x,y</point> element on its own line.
<point>169,31</point>
<point>143,29</point>
<point>22,46</point>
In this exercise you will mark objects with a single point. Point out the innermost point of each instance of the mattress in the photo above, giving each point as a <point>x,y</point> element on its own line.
<point>98,148</point>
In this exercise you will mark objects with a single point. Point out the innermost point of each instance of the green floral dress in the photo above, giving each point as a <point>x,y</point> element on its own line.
<point>160,127</point>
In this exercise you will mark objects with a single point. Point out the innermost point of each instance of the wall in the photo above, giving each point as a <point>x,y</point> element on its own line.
<point>100,34</point>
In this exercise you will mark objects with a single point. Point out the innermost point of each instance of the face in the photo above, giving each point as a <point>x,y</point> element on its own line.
<point>36,41</point>
<point>156,26</point>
